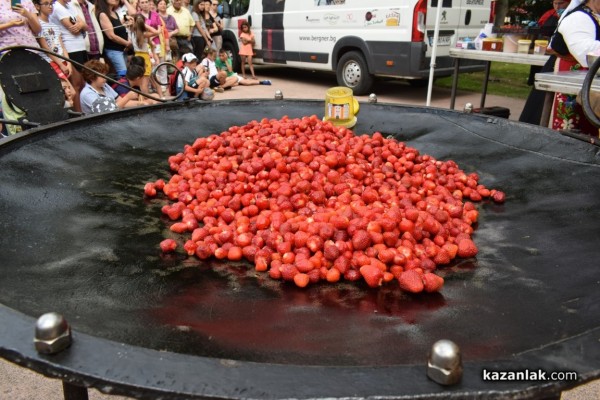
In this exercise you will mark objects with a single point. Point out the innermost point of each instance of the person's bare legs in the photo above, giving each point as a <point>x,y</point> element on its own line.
<point>249,82</point>
<point>231,81</point>
<point>251,67</point>
<point>243,67</point>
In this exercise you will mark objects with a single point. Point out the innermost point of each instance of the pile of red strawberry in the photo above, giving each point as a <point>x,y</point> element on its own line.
<point>306,202</point>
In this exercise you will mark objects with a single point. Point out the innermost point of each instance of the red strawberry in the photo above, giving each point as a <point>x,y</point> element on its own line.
<point>390,238</point>
<point>412,214</point>
<point>406,225</point>
<point>179,227</point>
<point>413,263</point>
<point>168,245</point>
<point>352,275</point>
<point>330,250</point>
<point>370,196</point>
<point>396,270</point>
<point>150,189</point>
<point>387,224</point>
<point>455,211</point>
<point>499,197</point>
<point>431,225</point>
<point>203,251</point>
<point>314,243</point>
<point>361,240</point>
<point>442,257</point>
<point>326,231</point>
<point>304,265</point>
<point>288,271</point>
<point>466,248</point>
<point>427,264</point>
<point>234,253</point>
<point>274,273</point>
<point>190,247</point>
<point>372,275</point>
<point>159,184</point>
<point>249,252</point>
<point>301,280</point>
<point>451,248</point>
<point>342,264</point>
<point>386,255</point>
<point>300,238</point>
<point>314,276</point>
<point>339,221</point>
<point>173,212</point>
<point>432,282</point>
<point>318,197</point>
<point>410,281</point>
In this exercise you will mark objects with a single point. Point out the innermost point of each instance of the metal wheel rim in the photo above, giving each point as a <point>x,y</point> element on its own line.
<point>352,73</point>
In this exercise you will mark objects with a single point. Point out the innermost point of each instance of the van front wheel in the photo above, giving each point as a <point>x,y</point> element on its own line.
<point>352,72</point>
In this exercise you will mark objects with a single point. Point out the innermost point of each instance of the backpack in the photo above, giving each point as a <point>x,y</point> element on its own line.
<point>173,79</point>
<point>173,83</point>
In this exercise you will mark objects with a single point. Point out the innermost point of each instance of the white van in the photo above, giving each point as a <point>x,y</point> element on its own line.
<point>357,39</point>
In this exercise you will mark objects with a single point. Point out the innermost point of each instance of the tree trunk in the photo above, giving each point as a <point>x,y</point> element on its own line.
<point>501,11</point>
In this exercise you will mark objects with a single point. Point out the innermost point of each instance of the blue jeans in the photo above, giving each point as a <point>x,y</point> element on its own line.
<point>117,59</point>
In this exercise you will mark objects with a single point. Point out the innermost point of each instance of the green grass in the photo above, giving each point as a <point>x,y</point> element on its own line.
<point>508,80</point>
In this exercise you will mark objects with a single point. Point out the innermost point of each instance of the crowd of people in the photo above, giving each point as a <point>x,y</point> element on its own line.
<point>125,40</point>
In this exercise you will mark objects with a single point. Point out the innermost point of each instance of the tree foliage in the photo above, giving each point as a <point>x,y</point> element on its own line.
<point>520,11</point>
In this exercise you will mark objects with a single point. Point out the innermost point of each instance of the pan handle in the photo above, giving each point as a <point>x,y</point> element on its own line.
<point>585,93</point>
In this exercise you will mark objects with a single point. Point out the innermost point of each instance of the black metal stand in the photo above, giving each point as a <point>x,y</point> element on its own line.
<point>488,65</point>
<point>74,392</point>
<point>454,83</point>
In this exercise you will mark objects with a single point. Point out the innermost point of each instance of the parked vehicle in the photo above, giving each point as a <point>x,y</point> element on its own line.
<point>358,40</point>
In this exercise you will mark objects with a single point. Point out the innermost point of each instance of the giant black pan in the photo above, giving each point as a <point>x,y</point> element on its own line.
<point>79,238</point>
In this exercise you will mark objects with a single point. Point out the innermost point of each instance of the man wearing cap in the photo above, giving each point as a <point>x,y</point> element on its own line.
<point>195,79</point>
<point>185,23</point>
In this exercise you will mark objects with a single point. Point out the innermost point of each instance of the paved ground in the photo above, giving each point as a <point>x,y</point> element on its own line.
<point>21,384</point>
<point>299,84</point>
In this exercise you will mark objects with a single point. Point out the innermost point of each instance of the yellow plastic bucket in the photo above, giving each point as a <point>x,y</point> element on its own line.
<point>540,46</point>
<point>523,46</point>
<point>341,107</point>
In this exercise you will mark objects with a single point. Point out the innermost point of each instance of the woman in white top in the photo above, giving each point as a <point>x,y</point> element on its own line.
<point>578,34</point>
<point>72,28</point>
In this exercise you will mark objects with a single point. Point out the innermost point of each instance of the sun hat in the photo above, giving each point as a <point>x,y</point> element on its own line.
<point>189,57</point>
